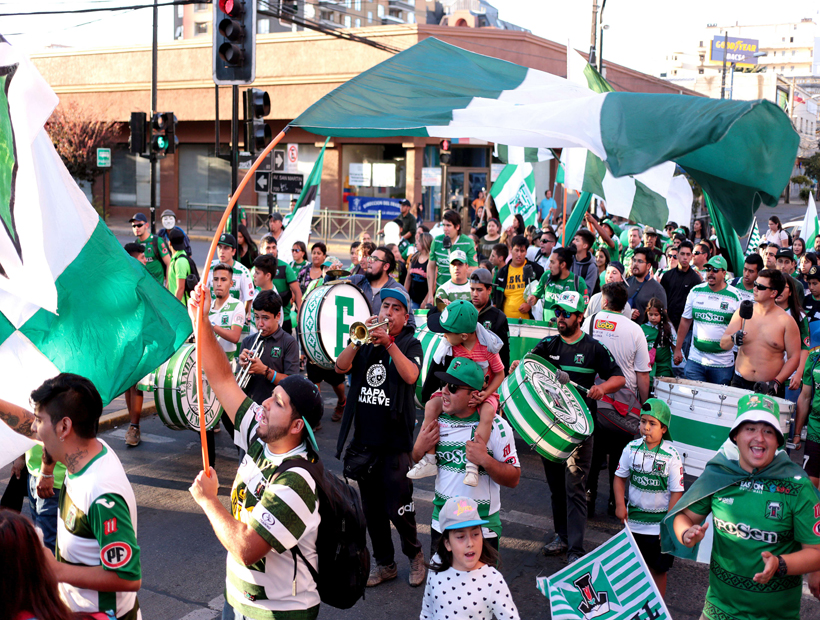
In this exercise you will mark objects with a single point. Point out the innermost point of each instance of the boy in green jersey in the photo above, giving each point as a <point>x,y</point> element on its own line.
<point>457,286</point>
<point>558,280</point>
<point>157,255</point>
<point>654,471</point>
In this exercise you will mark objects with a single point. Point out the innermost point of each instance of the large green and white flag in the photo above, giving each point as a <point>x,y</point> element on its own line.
<point>520,154</point>
<point>514,192</point>
<point>740,152</point>
<point>298,223</point>
<point>754,240</point>
<point>809,228</point>
<point>86,307</point>
<point>611,582</point>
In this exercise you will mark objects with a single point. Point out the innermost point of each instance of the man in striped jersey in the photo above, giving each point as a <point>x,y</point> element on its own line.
<point>98,559</point>
<point>242,287</point>
<point>270,531</point>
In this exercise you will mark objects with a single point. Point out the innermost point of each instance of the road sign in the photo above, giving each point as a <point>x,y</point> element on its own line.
<point>293,158</point>
<point>278,160</point>
<point>103,158</point>
<point>286,183</point>
<point>262,182</point>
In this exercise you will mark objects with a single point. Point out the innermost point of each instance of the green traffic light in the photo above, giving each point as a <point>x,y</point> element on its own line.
<point>162,143</point>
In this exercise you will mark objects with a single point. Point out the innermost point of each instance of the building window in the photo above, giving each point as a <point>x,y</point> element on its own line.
<point>700,44</point>
<point>349,3</point>
<point>203,178</point>
<point>792,69</point>
<point>263,26</point>
<point>411,18</point>
<point>674,57</point>
<point>791,39</point>
<point>674,72</point>
<point>380,10</point>
<point>347,21</point>
<point>178,33</point>
<point>358,5</point>
<point>700,71</point>
<point>326,16</point>
<point>370,17</point>
<point>782,68</point>
<point>130,179</point>
<point>358,22</point>
<point>180,11</point>
<point>201,28</point>
<point>200,7</point>
<point>793,52</point>
<point>702,57</point>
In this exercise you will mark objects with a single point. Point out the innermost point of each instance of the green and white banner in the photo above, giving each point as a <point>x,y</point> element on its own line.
<point>71,299</point>
<point>740,152</point>
<point>809,228</point>
<point>514,192</point>
<point>612,582</point>
<point>520,154</point>
<point>298,223</point>
<point>754,240</point>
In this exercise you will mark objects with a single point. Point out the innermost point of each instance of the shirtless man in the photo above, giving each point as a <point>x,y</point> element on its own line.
<point>760,349</point>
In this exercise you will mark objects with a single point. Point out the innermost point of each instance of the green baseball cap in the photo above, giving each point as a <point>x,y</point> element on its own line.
<point>612,225</point>
<point>660,411</point>
<point>718,262</point>
<point>463,371</point>
<point>758,408</point>
<point>571,301</point>
<point>459,317</point>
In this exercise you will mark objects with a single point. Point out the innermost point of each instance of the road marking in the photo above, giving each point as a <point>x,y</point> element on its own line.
<point>213,610</point>
<point>147,437</point>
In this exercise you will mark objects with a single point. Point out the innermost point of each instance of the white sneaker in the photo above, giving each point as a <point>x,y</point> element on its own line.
<point>425,468</point>
<point>471,477</point>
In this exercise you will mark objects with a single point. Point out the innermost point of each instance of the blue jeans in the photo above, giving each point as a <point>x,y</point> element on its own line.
<point>720,375</point>
<point>414,306</point>
<point>44,512</point>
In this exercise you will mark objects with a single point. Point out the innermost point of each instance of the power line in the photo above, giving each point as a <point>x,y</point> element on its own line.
<point>98,9</point>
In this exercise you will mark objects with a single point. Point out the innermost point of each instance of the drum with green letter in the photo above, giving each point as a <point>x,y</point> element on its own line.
<point>325,318</point>
<point>175,395</point>
<point>552,418</point>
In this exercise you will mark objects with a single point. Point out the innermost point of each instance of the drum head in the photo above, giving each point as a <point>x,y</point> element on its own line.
<point>176,398</point>
<point>563,401</point>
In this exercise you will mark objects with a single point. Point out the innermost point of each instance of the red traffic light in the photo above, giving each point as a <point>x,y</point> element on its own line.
<point>231,7</point>
<point>445,145</point>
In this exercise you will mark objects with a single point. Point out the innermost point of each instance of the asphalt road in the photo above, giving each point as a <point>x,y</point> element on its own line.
<point>183,563</point>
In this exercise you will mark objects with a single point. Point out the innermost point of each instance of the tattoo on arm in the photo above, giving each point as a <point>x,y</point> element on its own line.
<point>21,424</point>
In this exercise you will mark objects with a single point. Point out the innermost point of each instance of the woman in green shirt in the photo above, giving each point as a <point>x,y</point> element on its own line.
<point>299,253</point>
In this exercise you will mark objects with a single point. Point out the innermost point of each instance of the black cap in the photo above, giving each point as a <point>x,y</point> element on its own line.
<point>227,239</point>
<point>175,234</point>
<point>785,253</point>
<point>276,216</point>
<point>139,217</point>
<point>814,273</point>
<point>405,202</point>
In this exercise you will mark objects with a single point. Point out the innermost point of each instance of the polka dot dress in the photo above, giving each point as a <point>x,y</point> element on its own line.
<point>480,594</point>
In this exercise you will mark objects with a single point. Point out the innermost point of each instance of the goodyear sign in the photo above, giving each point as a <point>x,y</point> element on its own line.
<point>737,50</point>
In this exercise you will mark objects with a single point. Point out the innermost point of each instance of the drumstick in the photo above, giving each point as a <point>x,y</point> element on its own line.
<point>563,379</point>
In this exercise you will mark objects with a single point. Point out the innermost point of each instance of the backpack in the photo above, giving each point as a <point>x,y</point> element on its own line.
<point>193,278</point>
<point>341,544</point>
<point>164,234</point>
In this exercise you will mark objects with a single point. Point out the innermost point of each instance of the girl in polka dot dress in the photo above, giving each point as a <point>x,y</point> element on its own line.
<point>463,582</point>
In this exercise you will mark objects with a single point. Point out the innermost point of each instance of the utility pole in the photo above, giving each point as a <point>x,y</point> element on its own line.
<point>723,74</point>
<point>153,157</point>
<point>235,155</point>
<point>593,35</point>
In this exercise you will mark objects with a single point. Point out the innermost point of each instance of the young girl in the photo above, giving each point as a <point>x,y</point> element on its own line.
<point>463,581</point>
<point>660,336</point>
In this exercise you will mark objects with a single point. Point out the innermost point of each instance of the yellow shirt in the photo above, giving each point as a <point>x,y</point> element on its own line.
<point>514,293</point>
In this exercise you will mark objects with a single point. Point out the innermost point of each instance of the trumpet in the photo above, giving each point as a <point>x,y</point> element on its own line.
<point>244,374</point>
<point>360,333</point>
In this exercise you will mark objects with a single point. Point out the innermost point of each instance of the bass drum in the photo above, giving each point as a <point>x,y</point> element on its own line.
<point>325,318</point>
<point>175,395</point>
<point>550,417</point>
<point>702,415</point>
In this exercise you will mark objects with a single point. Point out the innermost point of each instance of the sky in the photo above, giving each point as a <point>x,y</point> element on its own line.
<point>641,32</point>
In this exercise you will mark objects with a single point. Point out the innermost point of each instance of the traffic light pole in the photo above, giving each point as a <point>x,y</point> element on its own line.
<point>153,158</point>
<point>235,155</point>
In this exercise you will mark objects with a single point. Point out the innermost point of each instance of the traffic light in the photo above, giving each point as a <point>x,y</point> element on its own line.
<point>234,58</point>
<point>163,133</point>
<point>444,152</point>
<point>256,105</point>
<point>137,141</point>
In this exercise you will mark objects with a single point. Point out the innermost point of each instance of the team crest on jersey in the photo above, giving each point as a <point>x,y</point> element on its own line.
<point>116,555</point>
<point>724,305</point>
<point>71,518</point>
<point>579,358</point>
<point>487,324</point>
<point>659,468</point>
<point>774,510</point>
<point>224,320</point>
<point>276,352</point>
<point>259,491</point>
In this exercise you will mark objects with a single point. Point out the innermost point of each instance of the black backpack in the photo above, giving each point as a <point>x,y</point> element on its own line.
<point>193,278</point>
<point>341,544</point>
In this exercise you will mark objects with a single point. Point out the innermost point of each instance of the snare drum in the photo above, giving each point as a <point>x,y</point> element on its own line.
<point>174,388</point>
<point>702,415</point>
<point>550,417</point>
<point>325,318</point>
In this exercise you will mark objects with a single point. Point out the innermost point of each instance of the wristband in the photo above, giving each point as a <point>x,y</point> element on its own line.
<point>274,376</point>
<point>46,475</point>
<point>392,342</point>
<point>782,569</point>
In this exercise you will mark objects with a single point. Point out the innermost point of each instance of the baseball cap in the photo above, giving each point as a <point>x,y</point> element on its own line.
<point>660,411</point>
<point>612,225</point>
<point>459,512</point>
<point>814,273</point>
<point>459,317</point>
<point>758,408</point>
<point>459,255</point>
<point>718,262</point>
<point>463,371</point>
<point>571,301</point>
<point>650,231</point>
<point>619,266</point>
<point>138,217</point>
<point>395,293</point>
<point>405,203</point>
<point>168,212</point>
<point>176,234</point>
<point>306,400</point>
<point>785,253</point>
<point>482,275</point>
<point>227,239</point>
<point>276,216</point>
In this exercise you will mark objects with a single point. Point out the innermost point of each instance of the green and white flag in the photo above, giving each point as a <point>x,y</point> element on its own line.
<point>754,240</point>
<point>298,223</point>
<point>611,582</point>
<point>87,308</point>
<point>520,154</point>
<point>740,152</point>
<point>514,192</point>
<point>809,228</point>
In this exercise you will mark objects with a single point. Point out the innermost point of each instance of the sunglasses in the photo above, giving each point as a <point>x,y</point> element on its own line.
<point>762,287</point>
<point>296,250</point>
<point>137,225</point>
<point>453,388</point>
<point>561,313</point>
<point>671,256</point>
<point>710,269</point>
<point>697,253</point>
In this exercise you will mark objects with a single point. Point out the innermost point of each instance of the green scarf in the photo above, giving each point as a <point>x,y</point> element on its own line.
<point>721,471</point>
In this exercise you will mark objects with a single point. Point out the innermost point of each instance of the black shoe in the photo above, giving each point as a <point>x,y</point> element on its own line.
<point>591,498</point>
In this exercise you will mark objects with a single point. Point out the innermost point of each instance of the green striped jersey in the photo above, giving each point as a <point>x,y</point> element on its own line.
<point>711,312</point>
<point>285,513</point>
<point>242,287</point>
<point>451,454</point>
<point>97,526</point>
<point>653,476</point>
<point>450,291</point>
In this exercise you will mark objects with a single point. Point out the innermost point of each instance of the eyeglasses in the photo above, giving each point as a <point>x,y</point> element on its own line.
<point>378,260</point>
<point>453,388</point>
<point>762,287</point>
<point>561,313</point>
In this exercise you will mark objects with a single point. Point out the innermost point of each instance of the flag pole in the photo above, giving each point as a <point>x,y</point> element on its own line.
<point>749,236</point>
<point>202,314</point>
<point>564,231</point>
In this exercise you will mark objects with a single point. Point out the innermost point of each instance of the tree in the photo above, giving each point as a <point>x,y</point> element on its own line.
<point>77,134</point>
<point>812,168</point>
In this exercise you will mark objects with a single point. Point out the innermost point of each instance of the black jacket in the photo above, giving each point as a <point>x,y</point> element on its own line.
<point>500,283</point>
<point>496,321</point>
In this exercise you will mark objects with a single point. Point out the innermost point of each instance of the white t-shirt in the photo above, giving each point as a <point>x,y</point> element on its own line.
<point>625,340</point>
<point>231,313</point>
<point>779,238</point>
<point>711,312</point>
<point>596,305</point>
<point>483,592</point>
